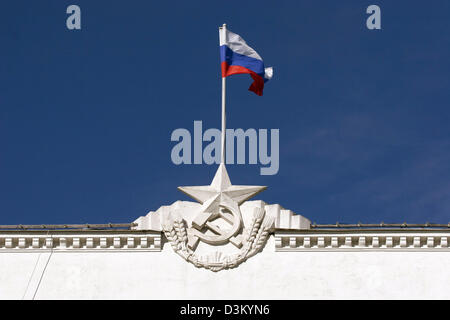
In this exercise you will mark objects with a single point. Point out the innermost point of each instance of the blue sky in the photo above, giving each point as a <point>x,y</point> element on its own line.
<point>86,116</point>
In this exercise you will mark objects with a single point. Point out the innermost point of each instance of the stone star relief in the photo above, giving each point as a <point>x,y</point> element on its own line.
<point>217,199</point>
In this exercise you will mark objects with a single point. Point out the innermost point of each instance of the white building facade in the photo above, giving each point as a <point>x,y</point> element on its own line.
<point>296,262</point>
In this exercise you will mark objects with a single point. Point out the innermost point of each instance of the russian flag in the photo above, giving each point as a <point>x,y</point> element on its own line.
<point>237,57</point>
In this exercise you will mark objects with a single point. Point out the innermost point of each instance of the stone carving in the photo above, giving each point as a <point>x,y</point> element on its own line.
<point>223,229</point>
<point>218,221</point>
<point>253,241</point>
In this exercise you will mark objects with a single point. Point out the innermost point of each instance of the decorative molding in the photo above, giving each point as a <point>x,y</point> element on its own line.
<point>202,233</point>
<point>354,240</point>
<point>254,238</point>
<point>286,219</point>
<point>92,241</point>
<point>285,241</point>
<point>283,219</point>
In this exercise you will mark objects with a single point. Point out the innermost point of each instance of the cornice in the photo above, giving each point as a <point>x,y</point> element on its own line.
<point>362,240</point>
<point>285,240</point>
<point>82,241</point>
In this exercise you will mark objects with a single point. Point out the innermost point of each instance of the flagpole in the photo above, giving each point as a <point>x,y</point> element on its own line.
<point>222,160</point>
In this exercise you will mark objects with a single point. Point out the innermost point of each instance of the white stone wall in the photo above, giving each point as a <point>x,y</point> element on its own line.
<point>121,274</point>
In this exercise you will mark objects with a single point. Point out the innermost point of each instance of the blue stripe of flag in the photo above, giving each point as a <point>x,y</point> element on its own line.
<point>235,59</point>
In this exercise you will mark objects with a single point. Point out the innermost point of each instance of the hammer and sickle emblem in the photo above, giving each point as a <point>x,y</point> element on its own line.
<point>221,199</point>
<point>221,206</point>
